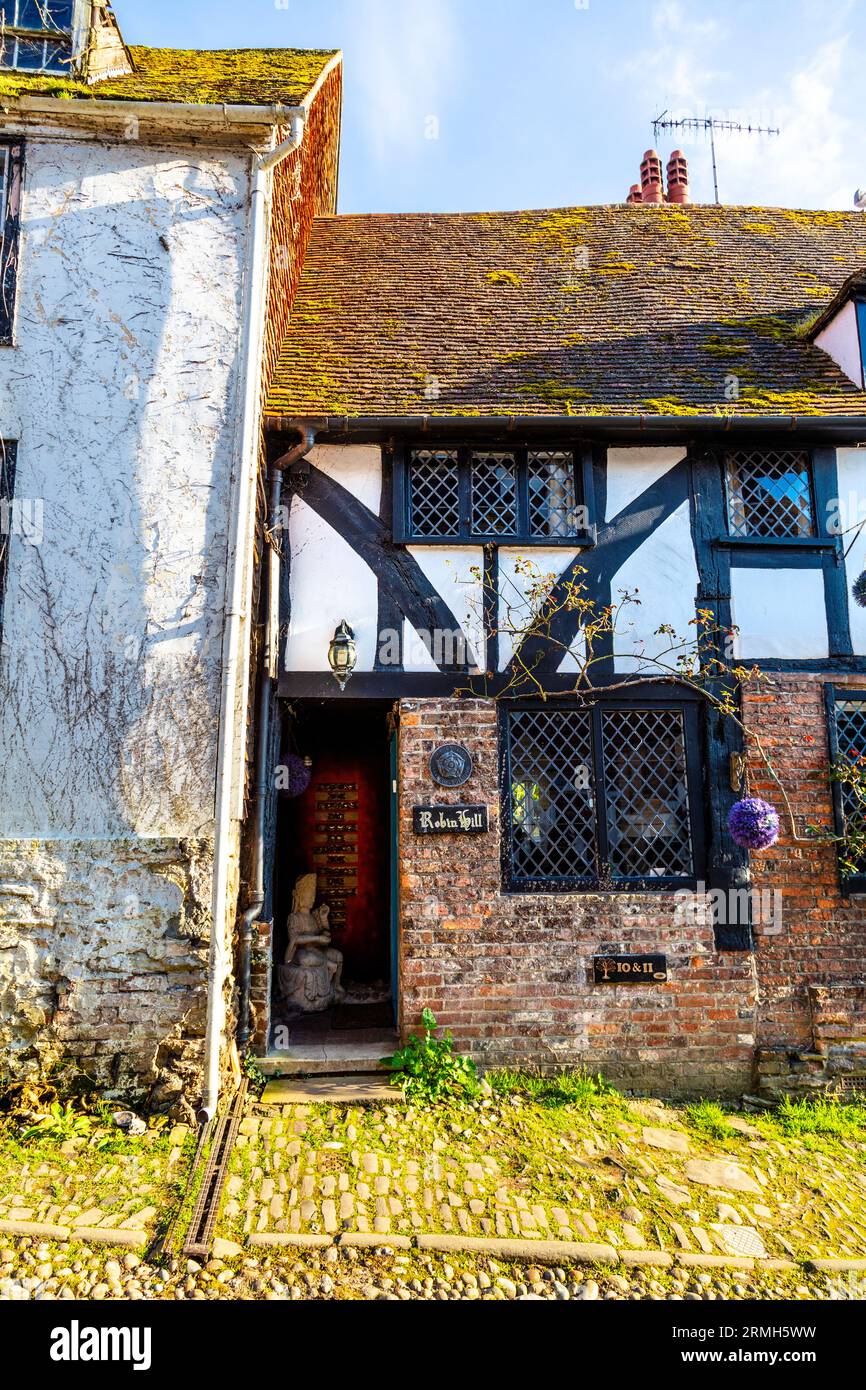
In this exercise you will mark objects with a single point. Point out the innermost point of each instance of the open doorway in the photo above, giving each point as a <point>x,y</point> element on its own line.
<point>340,829</point>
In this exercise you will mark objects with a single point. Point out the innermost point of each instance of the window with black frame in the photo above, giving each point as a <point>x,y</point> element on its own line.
<point>36,35</point>
<point>11,166</point>
<point>600,796</point>
<point>769,493</point>
<point>7,520</point>
<point>847,719</point>
<point>529,496</point>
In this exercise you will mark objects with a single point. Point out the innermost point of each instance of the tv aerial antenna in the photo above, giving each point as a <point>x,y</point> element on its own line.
<point>709,124</point>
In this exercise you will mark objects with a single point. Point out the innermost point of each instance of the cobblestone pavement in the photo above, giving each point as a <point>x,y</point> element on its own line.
<point>635,1175</point>
<point>129,1186</point>
<point>34,1270</point>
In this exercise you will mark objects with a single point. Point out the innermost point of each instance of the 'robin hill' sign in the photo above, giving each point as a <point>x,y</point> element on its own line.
<point>450,820</point>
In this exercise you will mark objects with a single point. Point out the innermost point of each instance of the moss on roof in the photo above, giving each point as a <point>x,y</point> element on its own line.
<point>198,77</point>
<point>620,310</point>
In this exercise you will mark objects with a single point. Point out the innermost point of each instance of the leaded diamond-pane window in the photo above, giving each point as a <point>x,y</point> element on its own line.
<point>769,493</point>
<point>434,507</point>
<point>848,751</point>
<point>494,494</point>
<point>522,495</point>
<point>551,794</point>
<point>552,503</point>
<point>648,829</point>
<point>599,797</point>
<point>36,35</point>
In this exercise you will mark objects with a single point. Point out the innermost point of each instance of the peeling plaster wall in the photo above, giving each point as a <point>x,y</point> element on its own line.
<point>123,393</point>
<point>103,956</point>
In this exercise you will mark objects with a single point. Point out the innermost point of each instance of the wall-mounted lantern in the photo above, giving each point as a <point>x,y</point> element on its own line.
<point>342,654</point>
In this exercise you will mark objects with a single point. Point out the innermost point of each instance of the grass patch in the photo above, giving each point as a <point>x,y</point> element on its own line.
<point>578,1088</point>
<point>709,1119</point>
<point>819,1118</point>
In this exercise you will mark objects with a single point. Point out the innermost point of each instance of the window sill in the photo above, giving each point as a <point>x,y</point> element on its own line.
<point>632,887</point>
<point>583,540</point>
<point>776,542</point>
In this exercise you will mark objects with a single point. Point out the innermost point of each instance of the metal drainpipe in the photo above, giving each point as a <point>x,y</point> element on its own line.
<point>253,911</point>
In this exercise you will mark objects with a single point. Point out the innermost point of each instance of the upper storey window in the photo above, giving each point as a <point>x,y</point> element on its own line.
<point>527,496</point>
<point>36,35</point>
<point>770,493</point>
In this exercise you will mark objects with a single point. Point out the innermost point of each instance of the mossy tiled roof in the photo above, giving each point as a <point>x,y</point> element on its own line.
<point>619,310</point>
<point>199,77</point>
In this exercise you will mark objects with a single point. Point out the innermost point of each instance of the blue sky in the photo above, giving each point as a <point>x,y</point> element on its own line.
<point>490,104</point>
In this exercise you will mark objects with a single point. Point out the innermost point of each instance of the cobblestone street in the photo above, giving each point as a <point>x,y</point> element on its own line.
<point>621,1177</point>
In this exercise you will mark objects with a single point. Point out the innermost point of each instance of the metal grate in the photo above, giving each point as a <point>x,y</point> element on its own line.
<point>552,503</point>
<point>646,794</point>
<point>851,744</point>
<point>494,494</point>
<point>434,493</point>
<point>769,493</point>
<point>199,1234</point>
<point>597,796</point>
<point>552,808</point>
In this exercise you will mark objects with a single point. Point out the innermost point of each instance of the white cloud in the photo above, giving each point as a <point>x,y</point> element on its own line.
<point>809,164</point>
<point>407,59</point>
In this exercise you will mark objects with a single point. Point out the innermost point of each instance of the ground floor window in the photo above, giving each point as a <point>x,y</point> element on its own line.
<point>600,796</point>
<point>846,710</point>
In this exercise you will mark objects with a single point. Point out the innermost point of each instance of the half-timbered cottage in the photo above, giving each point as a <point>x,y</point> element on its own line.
<point>395,608</point>
<point>541,454</point>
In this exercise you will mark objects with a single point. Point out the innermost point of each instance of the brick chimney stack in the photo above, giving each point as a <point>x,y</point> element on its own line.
<point>651,187</point>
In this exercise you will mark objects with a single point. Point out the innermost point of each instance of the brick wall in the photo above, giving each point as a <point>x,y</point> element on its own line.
<point>103,958</point>
<point>822,941</point>
<point>509,974</point>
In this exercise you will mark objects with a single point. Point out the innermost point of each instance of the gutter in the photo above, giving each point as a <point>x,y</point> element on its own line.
<point>239,594</point>
<point>180,112</point>
<point>239,582</point>
<point>369,428</point>
<point>267,682</point>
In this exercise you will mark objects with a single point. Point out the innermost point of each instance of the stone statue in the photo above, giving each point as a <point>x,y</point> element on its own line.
<point>310,974</point>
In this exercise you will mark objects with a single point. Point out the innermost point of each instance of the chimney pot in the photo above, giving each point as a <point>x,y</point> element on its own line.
<point>634,195</point>
<point>678,178</point>
<point>652,188</point>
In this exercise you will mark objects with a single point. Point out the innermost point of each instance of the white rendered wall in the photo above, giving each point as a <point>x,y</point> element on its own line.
<point>780,613</point>
<point>122,393</point>
<point>329,581</point>
<point>841,341</point>
<point>662,574</point>
<point>851,471</point>
<point>525,574</point>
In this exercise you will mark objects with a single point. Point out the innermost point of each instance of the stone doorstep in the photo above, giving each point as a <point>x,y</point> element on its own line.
<point>91,1235</point>
<point>358,1089</point>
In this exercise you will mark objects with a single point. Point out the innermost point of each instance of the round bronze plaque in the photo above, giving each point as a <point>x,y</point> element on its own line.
<point>451,765</point>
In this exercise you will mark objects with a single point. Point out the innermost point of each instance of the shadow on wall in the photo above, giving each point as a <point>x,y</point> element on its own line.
<point>124,398</point>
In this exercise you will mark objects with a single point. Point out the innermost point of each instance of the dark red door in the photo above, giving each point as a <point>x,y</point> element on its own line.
<point>342,834</point>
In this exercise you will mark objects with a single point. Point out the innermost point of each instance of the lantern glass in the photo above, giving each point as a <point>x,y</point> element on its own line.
<point>342,654</point>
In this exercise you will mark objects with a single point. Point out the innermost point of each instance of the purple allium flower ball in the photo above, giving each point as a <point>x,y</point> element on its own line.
<point>298,775</point>
<point>753,824</point>
<point>858,589</point>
